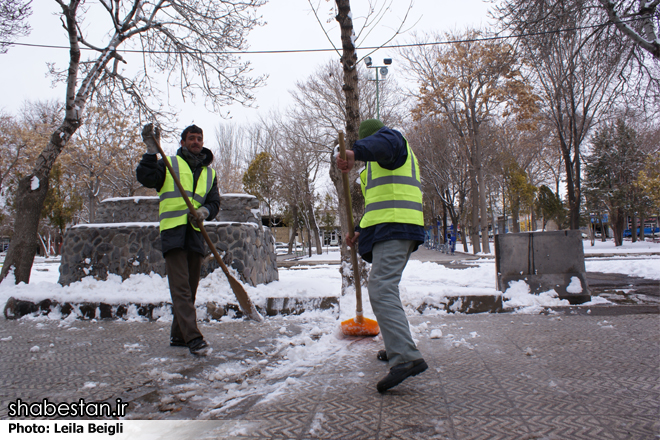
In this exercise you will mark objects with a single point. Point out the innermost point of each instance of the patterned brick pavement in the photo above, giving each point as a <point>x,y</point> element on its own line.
<point>491,376</point>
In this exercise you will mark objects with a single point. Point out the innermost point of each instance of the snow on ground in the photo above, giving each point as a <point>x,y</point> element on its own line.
<point>422,282</point>
<point>224,387</point>
<point>628,247</point>
<point>599,247</point>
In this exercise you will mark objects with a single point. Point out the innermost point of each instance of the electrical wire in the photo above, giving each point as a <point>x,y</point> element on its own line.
<point>288,51</point>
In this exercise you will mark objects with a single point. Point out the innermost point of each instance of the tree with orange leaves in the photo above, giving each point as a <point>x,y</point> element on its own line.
<point>469,82</point>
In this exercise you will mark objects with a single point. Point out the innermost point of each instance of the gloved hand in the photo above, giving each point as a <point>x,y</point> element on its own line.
<point>151,137</point>
<point>202,214</point>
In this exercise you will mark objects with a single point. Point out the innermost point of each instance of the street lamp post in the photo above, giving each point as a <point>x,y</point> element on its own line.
<point>383,71</point>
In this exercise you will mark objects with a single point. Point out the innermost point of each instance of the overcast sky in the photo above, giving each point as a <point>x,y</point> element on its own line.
<point>290,25</point>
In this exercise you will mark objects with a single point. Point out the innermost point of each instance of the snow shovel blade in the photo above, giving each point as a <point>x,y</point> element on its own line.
<point>360,326</point>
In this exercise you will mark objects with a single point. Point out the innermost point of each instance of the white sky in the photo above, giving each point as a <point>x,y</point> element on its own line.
<point>291,25</point>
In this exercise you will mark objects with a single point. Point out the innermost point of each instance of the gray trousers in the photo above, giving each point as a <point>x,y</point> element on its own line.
<point>389,259</point>
<point>183,270</point>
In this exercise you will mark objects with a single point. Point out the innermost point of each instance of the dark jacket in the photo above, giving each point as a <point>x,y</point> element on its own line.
<point>151,173</point>
<point>388,148</point>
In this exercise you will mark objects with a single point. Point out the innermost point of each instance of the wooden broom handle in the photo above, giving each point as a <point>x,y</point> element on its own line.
<point>351,226</point>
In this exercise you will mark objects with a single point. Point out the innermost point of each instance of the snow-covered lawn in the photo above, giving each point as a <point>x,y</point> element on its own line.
<point>421,282</point>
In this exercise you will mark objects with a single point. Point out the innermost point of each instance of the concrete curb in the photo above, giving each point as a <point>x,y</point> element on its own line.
<point>17,308</point>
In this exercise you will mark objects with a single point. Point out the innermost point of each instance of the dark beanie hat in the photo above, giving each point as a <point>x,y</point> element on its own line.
<point>369,127</point>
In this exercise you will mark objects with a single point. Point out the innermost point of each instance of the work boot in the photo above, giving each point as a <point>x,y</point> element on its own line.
<point>177,342</point>
<point>199,347</point>
<point>401,372</point>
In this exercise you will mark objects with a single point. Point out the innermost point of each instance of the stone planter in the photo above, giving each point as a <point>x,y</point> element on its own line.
<point>128,242</point>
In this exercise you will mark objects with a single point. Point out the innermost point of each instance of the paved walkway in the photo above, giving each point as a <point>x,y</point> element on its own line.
<point>575,373</point>
<point>491,376</point>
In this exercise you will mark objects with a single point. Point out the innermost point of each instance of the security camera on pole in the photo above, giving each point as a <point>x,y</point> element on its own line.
<point>383,71</point>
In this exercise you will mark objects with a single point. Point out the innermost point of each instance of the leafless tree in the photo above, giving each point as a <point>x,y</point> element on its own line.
<point>444,170</point>
<point>100,155</point>
<point>638,20</point>
<point>469,83</point>
<point>229,160</point>
<point>579,69</point>
<point>189,41</point>
<point>320,101</point>
<point>13,21</point>
<point>352,89</point>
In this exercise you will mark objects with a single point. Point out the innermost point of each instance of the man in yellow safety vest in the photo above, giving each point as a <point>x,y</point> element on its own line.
<point>182,243</point>
<point>390,230</point>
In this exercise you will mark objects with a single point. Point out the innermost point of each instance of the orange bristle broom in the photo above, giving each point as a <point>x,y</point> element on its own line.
<point>358,326</point>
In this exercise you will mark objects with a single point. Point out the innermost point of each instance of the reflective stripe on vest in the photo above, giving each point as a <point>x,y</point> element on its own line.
<point>172,208</point>
<point>392,196</point>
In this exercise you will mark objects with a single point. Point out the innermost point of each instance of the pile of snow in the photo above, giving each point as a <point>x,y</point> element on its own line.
<point>421,283</point>
<point>519,297</point>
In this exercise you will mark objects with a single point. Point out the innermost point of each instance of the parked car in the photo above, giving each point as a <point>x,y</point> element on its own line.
<point>647,232</point>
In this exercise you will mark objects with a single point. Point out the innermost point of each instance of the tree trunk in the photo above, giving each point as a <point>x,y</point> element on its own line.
<point>633,227</point>
<point>515,217</point>
<point>474,223</point>
<point>572,183</point>
<point>352,94</point>
<point>314,229</point>
<point>462,220</point>
<point>347,276</point>
<point>493,219</point>
<point>30,195</point>
<point>309,243</point>
<point>23,245</point>
<point>349,61</point>
<point>293,228</point>
<point>483,210</point>
<point>641,226</point>
<point>618,224</point>
<point>444,222</point>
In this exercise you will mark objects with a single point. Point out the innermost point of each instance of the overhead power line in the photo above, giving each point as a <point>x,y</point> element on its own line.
<point>389,46</point>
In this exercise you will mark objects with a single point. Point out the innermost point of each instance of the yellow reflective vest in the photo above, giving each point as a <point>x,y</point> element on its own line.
<point>392,196</point>
<point>172,209</point>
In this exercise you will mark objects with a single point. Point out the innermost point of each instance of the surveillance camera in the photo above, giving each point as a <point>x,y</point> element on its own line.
<point>387,61</point>
<point>367,61</point>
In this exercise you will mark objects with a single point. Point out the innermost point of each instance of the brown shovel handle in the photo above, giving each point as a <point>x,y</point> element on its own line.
<point>242,297</point>
<point>351,226</point>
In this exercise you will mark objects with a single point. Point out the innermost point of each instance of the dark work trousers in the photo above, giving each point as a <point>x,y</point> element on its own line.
<point>183,270</point>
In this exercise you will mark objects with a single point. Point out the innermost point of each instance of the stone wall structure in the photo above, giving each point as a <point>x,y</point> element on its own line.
<point>125,240</point>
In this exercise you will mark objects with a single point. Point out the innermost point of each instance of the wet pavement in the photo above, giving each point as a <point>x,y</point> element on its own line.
<point>568,373</point>
<point>553,376</point>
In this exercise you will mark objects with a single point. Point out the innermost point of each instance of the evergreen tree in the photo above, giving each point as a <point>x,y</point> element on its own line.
<point>611,171</point>
<point>550,207</point>
<point>260,182</point>
<point>518,190</point>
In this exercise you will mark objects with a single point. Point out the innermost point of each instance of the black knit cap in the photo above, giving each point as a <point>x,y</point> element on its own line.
<point>369,127</point>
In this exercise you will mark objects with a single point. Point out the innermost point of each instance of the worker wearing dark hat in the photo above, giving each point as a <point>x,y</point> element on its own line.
<point>390,230</point>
